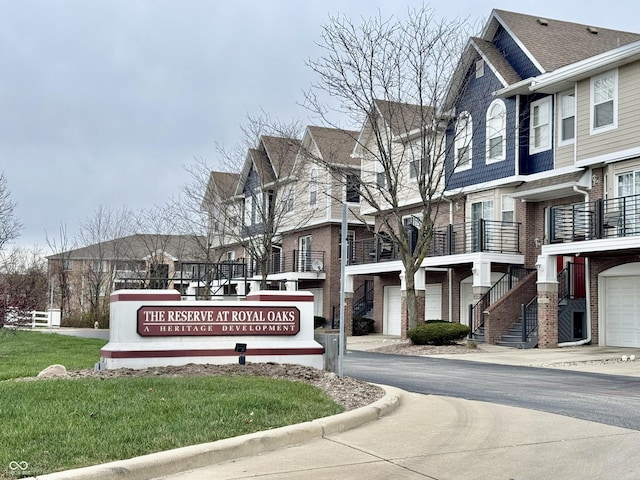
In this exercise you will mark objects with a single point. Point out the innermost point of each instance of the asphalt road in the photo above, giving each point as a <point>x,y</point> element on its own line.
<point>607,399</point>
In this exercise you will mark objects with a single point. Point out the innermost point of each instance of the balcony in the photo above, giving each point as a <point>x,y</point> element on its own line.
<point>454,239</point>
<point>596,220</point>
<point>298,261</point>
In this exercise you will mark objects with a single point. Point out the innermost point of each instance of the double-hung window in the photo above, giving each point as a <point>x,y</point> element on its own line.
<point>604,101</point>
<point>496,131</point>
<point>567,116</point>
<point>540,126</point>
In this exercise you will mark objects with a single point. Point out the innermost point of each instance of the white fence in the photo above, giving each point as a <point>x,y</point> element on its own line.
<point>33,319</point>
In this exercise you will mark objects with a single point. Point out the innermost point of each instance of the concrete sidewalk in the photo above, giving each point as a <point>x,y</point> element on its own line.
<point>412,436</point>
<point>586,358</point>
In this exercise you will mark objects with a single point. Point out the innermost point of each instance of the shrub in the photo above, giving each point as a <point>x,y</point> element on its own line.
<point>362,326</point>
<point>318,322</point>
<point>437,333</point>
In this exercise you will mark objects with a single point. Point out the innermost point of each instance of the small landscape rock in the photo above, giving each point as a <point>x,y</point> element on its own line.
<point>53,371</point>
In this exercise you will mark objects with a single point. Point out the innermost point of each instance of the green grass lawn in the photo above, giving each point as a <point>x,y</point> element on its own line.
<point>61,424</point>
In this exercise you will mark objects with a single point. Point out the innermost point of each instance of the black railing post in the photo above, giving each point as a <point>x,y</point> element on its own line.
<point>523,314</point>
<point>481,233</point>
<point>450,244</point>
<point>472,322</point>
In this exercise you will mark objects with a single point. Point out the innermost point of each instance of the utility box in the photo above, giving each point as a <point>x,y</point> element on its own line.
<point>330,340</point>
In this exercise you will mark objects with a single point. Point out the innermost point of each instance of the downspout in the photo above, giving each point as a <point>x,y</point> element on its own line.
<point>450,270</point>
<point>587,290</point>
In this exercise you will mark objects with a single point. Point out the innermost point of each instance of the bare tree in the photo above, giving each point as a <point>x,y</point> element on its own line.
<point>60,266</point>
<point>9,226</point>
<point>23,282</point>
<point>269,164</point>
<point>395,80</point>
<point>102,235</point>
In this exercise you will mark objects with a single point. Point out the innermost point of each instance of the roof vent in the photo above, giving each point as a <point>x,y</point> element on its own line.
<point>542,21</point>
<point>592,30</point>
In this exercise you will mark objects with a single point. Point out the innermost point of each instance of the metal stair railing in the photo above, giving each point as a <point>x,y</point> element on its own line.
<point>529,314</point>
<point>508,281</point>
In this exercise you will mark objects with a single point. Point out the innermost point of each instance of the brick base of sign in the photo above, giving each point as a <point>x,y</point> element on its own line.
<point>155,328</point>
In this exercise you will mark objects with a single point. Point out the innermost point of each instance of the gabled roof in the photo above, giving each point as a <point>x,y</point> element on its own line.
<point>335,145</point>
<point>496,60</point>
<point>221,186</point>
<point>402,118</point>
<point>273,159</point>
<point>281,152</point>
<point>137,247</point>
<point>551,43</point>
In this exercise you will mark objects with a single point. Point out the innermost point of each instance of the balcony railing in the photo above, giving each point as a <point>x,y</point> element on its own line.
<point>454,239</point>
<point>295,261</point>
<point>599,219</point>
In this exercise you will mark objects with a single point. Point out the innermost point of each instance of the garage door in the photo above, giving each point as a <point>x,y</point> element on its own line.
<point>392,322</point>
<point>433,301</point>
<point>622,297</point>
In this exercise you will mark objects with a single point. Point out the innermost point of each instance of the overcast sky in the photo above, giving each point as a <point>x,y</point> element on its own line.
<point>102,102</point>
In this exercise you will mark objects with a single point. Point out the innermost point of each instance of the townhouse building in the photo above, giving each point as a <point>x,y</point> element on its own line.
<point>535,243</point>
<point>85,277</point>
<point>282,216</point>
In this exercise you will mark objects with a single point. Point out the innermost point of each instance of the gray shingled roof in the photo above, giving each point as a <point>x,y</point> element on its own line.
<point>281,152</point>
<point>404,117</point>
<point>497,60</point>
<point>335,145</point>
<point>137,247</point>
<point>556,43</point>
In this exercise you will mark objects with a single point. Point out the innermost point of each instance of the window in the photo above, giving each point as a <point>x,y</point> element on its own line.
<point>496,131</point>
<point>567,116</point>
<point>381,176</point>
<point>508,214</point>
<point>540,126</point>
<point>313,188</point>
<point>287,199</point>
<point>604,105</point>
<point>463,142</point>
<point>419,164</point>
<point>352,193</point>
<point>480,68</point>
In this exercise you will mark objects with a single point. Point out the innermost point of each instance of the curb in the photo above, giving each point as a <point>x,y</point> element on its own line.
<point>187,458</point>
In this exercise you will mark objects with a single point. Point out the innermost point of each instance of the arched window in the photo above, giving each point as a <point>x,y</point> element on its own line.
<point>463,142</point>
<point>496,131</point>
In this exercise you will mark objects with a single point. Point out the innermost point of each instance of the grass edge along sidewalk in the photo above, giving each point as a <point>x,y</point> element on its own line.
<point>58,424</point>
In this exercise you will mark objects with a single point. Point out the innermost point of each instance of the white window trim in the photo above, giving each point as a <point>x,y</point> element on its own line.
<point>572,140</point>
<point>547,146</point>
<point>503,197</point>
<point>503,154</point>
<point>593,130</point>
<point>458,142</point>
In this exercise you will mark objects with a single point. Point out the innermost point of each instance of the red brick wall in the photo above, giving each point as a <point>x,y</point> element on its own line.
<point>506,311</point>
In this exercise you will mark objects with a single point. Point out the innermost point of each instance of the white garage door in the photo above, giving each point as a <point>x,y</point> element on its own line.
<point>622,310</point>
<point>433,301</point>
<point>392,304</point>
